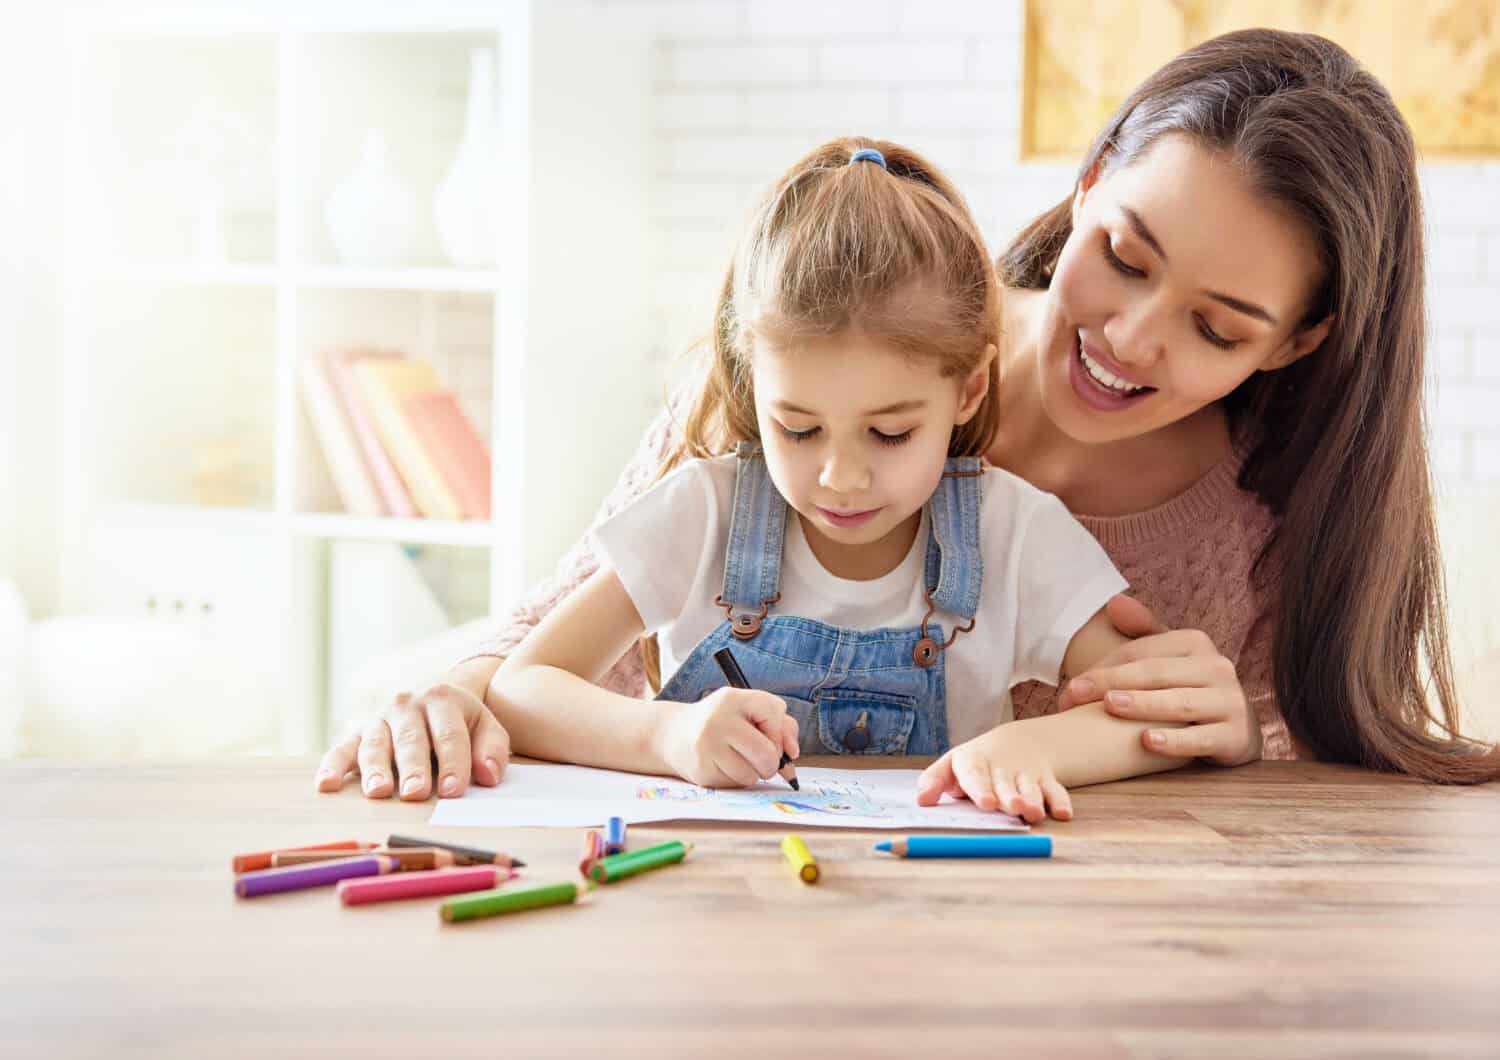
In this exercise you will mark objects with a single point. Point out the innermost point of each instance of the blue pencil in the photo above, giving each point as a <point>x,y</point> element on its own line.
<point>614,836</point>
<point>970,846</point>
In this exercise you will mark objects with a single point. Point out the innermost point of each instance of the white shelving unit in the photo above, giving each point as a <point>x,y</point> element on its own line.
<point>186,447</point>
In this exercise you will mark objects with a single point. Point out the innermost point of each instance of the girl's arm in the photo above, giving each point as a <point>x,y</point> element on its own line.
<point>545,696</point>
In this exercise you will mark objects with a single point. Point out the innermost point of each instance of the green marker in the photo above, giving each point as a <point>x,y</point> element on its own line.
<point>619,866</point>
<point>508,900</point>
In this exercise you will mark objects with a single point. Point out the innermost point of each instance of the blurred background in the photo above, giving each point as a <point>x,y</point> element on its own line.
<point>324,327</point>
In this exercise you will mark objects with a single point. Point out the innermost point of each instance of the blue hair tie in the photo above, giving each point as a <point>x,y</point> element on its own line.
<point>869,154</point>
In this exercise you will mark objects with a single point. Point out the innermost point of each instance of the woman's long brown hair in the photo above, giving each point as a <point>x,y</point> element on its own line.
<point>1363,672</point>
<point>890,251</point>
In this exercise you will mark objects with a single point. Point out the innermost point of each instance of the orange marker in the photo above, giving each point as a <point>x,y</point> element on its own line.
<point>408,859</point>
<point>252,862</point>
<point>422,884</point>
<point>593,850</point>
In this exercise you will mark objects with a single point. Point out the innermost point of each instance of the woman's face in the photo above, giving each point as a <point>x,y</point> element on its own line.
<point>1177,283</point>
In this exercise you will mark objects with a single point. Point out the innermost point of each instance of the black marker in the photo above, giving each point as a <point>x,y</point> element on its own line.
<point>736,677</point>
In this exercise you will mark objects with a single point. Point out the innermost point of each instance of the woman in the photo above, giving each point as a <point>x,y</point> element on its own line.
<point>1214,357</point>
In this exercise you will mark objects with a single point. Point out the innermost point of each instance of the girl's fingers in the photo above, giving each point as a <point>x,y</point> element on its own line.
<point>1173,704</point>
<point>1059,804</point>
<point>375,765</point>
<point>490,745</point>
<point>736,768</point>
<point>791,736</point>
<point>337,762</point>
<point>1031,798</point>
<point>935,780</point>
<point>973,776</point>
<point>1006,799</point>
<point>753,747</point>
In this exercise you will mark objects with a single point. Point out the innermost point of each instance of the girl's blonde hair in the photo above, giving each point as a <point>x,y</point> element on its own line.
<point>832,247</point>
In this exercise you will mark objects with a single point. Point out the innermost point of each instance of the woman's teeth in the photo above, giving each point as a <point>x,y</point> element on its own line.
<point>1103,376</point>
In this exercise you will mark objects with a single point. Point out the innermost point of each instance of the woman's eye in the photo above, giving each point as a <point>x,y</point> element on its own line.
<point>1114,260</point>
<point>798,436</point>
<point>891,439</point>
<point>1214,337</point>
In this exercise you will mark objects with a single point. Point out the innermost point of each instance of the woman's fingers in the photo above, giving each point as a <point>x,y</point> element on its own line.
<point>490,745</point>
<point>408,725</point>
<point>375,763</point>
<point>448,722</point>
<point>1059,804</point>
<point>1172,705</point>
<point>1177,644</point>
<point>337,762</point>
<point>1195,741</point>
<point>1154,673</point>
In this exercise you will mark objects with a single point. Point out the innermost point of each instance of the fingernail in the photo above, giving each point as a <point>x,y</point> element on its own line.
<point>410,785</point>
<point>1121,699</point>
<point>450,785</point>
<point>1083,688</point>
<point>1156,739</point>
<point>493,768</point>
<point>373,781</point>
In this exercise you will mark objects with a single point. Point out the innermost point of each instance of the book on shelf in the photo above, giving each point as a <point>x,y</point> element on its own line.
<point>386,384</point>
<point>393,493</point>
<point>351,478</point>
<point>450,440</point>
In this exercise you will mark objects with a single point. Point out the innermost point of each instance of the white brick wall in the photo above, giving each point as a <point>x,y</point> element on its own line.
<point>743,87</point>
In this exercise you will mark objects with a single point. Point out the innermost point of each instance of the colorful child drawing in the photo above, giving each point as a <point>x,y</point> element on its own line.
<point>828,798</point>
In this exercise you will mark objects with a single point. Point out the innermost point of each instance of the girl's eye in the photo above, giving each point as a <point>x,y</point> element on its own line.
<point>1114,260</point>
<point>1214,337</point>
<point>798,436</point>
<point>891,439</point>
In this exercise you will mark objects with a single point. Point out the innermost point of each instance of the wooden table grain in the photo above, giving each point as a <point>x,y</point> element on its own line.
<point>1280,909</point>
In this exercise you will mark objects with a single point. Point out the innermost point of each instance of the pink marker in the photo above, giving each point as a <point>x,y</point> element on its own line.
<point>422,884</point>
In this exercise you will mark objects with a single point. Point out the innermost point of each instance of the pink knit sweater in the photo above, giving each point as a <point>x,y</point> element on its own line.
<point>1188,560</point>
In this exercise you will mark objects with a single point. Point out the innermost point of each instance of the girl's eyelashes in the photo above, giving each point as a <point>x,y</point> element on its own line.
<point>881,437</point>
<point>1204,329</point>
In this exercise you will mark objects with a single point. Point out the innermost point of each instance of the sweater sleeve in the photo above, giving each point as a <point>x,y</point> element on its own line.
<point>1255,670</point>
<point>627,676</point>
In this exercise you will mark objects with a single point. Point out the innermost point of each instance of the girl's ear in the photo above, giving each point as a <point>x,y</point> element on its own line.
<point>975,387</point>
<point>1298,345</point>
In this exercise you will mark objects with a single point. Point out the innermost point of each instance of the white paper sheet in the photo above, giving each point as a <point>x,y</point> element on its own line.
<point>579,797</point>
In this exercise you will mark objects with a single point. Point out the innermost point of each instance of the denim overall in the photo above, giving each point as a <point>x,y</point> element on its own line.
<point>872,692</point>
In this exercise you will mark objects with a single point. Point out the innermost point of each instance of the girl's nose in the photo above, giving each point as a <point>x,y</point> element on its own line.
<point>844,474</point>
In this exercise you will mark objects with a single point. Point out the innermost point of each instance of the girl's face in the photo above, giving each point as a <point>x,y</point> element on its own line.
<point>1177,283</point>
<point>856,433</point>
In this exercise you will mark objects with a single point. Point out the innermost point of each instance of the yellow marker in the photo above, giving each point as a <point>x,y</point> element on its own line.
<point>797,853</point>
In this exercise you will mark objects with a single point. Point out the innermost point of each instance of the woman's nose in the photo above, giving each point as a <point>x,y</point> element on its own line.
<point>1135,334</point>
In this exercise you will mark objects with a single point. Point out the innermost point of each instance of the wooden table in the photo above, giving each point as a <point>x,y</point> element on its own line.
<point>1278,909</point>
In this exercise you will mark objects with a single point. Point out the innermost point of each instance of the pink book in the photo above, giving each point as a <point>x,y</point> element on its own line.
<point>454,447</point>
<point>387,481</point>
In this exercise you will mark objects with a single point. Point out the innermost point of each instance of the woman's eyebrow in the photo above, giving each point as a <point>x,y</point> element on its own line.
<point>1250,309</point>
<point>910,405</point>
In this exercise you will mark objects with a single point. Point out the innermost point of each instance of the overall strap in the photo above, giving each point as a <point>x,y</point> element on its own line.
<point>757,531</point>
<point>955,568</point>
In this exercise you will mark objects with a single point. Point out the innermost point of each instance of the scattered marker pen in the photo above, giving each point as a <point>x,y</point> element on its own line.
<point>970,846</point>
<point>614,836</point>
<point>496,903</point>
<point>319,874</point>
<point>262,860</point>
<point>422,884</point>
<point>622,866</point>
<point>801,858</point>
<point>736,678</point>
<point>461,855</point>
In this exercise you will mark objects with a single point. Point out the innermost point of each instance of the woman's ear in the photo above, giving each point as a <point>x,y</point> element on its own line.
<point>1086,184</point>
<point>976,386</point>
<point>1298,345</point>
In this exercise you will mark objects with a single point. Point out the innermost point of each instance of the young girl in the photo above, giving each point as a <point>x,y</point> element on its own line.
<point>881,589</point>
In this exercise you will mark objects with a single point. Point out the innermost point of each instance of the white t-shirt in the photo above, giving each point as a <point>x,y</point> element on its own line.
<point>1044,577</point>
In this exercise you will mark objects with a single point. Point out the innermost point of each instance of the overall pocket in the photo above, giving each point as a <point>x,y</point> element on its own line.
<point>851,722</point>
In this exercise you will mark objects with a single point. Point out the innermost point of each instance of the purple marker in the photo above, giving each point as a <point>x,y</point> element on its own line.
<point>317,874</point>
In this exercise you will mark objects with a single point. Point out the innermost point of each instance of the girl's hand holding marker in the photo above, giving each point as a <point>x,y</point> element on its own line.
<point>734,737</point>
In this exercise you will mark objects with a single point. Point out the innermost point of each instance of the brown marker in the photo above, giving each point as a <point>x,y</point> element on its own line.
<point>461,855</point>
<point>407,858</point>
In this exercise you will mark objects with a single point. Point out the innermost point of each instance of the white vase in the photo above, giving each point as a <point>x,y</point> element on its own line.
<point>370,214</point>
<point>464,206</point>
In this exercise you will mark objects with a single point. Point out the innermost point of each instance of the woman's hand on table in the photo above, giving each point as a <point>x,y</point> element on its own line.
<point>1171,676</point>
<point>445,727</point>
